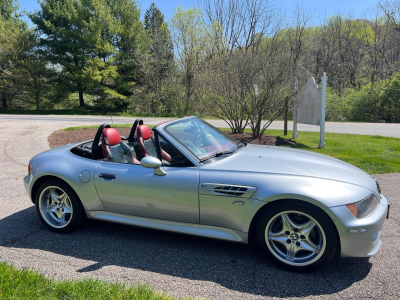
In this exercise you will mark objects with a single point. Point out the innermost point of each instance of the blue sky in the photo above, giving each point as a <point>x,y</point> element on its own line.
<point>320,7</point>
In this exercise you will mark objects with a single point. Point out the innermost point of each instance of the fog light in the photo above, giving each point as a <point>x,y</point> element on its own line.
<point>361,230</point>
<point>376,235</point>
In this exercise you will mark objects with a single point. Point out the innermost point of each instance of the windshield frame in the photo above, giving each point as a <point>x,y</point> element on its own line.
<point>199,161</point>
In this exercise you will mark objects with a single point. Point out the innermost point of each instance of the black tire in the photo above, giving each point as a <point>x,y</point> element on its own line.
<point>77,217</point>
<point>322,233</point>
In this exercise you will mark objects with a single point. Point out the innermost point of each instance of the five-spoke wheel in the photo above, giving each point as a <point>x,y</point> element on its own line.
<point>59,207</point>
<point>297,235</point>
<point>295,238</point>
<point>55,207</point>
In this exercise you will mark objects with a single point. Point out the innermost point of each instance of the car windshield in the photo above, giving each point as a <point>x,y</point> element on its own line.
<point>201,139</point>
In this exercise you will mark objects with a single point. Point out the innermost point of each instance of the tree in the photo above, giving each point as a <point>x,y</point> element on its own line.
<point>129,42</point>
<point>160,39</point>
<point>193,45</point>
<point>251,49</point>
<point>161,47</point>
<point>11,31</point>
<point>389,106</point>
<point>36,75</point>
<point>9,10</point>
<point>159,62</point>
<point>72,34</point>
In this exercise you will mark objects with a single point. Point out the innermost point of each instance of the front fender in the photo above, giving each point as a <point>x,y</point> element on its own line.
<point>323,193</point>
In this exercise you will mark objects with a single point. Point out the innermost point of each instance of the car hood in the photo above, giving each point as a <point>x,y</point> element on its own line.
<point>287,161</point>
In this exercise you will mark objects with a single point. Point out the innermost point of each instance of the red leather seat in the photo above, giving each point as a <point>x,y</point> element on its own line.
<point>146,144</point>
<point>116,150</point>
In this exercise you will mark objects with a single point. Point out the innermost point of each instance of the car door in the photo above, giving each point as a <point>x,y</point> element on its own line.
<point>135,190</point>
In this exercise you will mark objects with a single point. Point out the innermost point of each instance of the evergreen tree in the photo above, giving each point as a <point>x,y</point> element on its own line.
<point>9,9</point>
<point>73,34</point>
<point>11,29</point>
<point>36,76</point>
<point>129,44</point>
<point>160,40</point>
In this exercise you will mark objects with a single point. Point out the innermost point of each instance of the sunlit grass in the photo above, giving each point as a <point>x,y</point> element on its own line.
<point>28,284</point>
<point>372,153</point>
<point>97,126</point>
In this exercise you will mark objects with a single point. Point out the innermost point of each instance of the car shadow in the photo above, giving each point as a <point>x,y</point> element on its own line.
<point>235,266</point>
<point>303,146</point>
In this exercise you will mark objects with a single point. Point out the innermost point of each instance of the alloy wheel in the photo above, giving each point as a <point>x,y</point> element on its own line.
<point>295,238</point>
<point>55,207</point>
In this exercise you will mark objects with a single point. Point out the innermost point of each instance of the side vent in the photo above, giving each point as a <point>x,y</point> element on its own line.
<point>231,190</point>
<point>227,190</point>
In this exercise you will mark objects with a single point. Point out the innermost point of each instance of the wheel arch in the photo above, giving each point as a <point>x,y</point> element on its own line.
<point>41,180</point>
<point>268,205</point>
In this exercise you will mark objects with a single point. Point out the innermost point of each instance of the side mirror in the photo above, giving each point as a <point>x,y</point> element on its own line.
<point>153,163</point>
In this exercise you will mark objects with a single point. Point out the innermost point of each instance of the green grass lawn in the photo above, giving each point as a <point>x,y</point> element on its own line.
<point>373,154</point>
<point>27,284</point>
<point>97,126</point>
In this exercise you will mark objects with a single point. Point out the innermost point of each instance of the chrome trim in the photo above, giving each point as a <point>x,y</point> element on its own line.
<point>211,189</point>
<point>186,228</point>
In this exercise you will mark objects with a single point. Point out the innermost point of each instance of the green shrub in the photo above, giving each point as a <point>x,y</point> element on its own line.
<point>371,103</point>
<point>337,108</point>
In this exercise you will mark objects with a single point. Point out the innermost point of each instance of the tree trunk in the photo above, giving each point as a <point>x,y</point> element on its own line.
<point>81,101</point>
<point>257,128</point>
<point>37,98</point>
<point>4,100</point>
<point>189,92</point>
<point>187,104</point>
<point>285,116</point>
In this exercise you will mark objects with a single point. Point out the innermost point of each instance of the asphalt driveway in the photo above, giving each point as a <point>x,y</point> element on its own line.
<point>179,264</point>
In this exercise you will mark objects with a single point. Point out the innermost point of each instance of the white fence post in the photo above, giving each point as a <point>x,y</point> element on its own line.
<point>324,78</point>
<point>296,89</point>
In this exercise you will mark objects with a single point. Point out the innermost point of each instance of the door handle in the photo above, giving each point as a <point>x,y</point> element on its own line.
<point>107,176</point>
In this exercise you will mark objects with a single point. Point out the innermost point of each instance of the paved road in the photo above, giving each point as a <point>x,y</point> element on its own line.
<point>392,130</point>
<point>177,264</point>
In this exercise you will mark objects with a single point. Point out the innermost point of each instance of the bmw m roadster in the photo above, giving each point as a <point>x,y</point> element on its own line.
<point>186,176</point>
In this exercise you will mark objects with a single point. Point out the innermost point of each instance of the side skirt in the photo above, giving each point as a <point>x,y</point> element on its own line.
<point>186,228</point>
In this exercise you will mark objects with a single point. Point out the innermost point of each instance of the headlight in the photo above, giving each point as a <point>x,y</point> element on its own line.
<point>363,208</point>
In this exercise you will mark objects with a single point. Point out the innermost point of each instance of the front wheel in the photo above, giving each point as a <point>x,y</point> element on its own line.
<point>58,207</point>
<point>297,235</point>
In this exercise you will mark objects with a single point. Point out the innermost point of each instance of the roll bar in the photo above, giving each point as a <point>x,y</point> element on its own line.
<point>131,137</point>
<point>95,145</point>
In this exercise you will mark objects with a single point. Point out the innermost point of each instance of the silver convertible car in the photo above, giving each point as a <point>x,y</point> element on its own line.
<point>186,176</point>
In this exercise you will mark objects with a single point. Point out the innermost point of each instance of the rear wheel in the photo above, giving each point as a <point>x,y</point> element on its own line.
<point>58,207</point>
<point>297,235</point>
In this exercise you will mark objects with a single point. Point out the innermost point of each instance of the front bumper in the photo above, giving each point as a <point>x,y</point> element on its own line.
<point>360,237</point>
<point>27,184</point>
